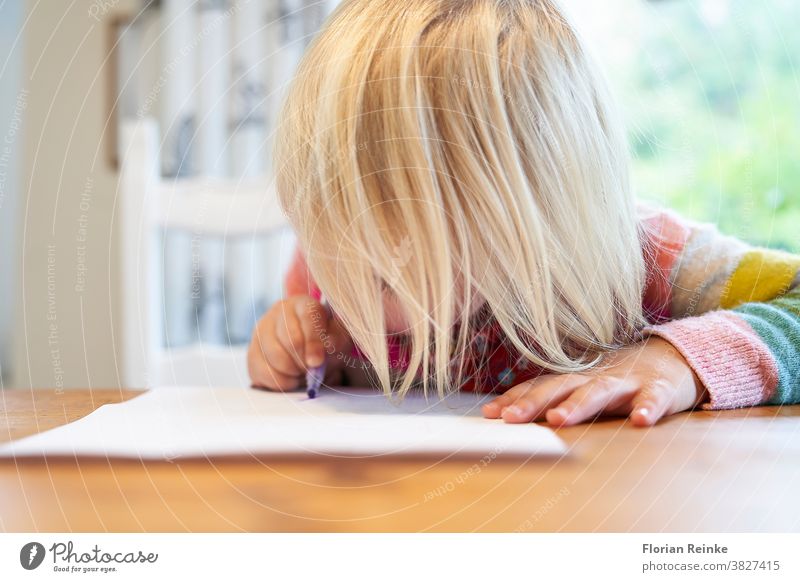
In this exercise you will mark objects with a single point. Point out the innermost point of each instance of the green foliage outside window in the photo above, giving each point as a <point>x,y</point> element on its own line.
<point>712,101</point>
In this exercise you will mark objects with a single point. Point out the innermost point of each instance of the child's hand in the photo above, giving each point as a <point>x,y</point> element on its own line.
<point>291,337</point>
<point>646,381</point>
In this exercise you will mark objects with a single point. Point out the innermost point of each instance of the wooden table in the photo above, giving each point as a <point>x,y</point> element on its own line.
<point>701,471</point>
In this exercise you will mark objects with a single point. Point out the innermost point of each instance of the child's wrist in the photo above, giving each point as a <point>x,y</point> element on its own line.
<point>701,394</point>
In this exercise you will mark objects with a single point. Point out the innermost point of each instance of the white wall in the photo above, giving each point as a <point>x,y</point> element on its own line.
<point>64,332</point>
<point>12,111</point>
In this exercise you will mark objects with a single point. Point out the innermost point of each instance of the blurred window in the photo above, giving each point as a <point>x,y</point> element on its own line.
<point>710,92</point>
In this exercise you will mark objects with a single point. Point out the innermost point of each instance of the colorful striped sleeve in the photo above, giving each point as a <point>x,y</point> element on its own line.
<point>733,311</point>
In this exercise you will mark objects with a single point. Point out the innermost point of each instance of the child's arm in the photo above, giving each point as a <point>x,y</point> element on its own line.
<point>733,312</point>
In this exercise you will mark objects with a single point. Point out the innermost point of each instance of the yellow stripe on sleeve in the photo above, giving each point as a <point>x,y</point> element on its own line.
<point>761,275</point>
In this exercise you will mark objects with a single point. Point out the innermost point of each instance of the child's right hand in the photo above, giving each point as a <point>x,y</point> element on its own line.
<point>291,337</point>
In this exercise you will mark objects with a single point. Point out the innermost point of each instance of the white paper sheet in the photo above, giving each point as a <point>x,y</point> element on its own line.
<point>192,422</point>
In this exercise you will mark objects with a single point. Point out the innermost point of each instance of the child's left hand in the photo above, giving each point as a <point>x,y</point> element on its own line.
<point>645,381</point>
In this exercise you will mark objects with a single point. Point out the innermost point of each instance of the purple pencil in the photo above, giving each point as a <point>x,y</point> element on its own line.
<point>314,378</point>
<point>316,375</point>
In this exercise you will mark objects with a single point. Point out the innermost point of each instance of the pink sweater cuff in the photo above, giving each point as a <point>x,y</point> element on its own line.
<point>732,362</point>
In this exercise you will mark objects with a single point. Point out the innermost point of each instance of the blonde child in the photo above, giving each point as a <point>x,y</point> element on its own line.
<point>458,181</point>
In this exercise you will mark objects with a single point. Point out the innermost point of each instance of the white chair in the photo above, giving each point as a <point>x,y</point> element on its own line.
<point>150,205</point>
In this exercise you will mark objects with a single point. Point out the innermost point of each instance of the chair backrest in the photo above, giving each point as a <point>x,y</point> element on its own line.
<point>149,206</point>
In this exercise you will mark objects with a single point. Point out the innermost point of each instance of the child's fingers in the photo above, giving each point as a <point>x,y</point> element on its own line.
<point>262,374</point>
<point>292,339</point>
<point>278,357</point>
<point>313,322</point>
<point>493,408</point>
<point>266,348</point>
<point>543,394</point>
<point>589,400</point>
<point>651,403</point>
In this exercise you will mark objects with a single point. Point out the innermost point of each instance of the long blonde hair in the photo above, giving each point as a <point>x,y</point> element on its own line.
<point>452,151</point>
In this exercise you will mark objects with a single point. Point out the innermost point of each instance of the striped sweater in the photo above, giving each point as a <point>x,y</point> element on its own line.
<point>732,311</point>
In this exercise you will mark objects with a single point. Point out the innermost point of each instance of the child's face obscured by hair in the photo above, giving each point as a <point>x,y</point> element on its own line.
<point>398,323</point>
<point>468,153</point>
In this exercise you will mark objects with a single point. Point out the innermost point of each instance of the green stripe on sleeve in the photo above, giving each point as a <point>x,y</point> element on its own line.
<point>777,323</point>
